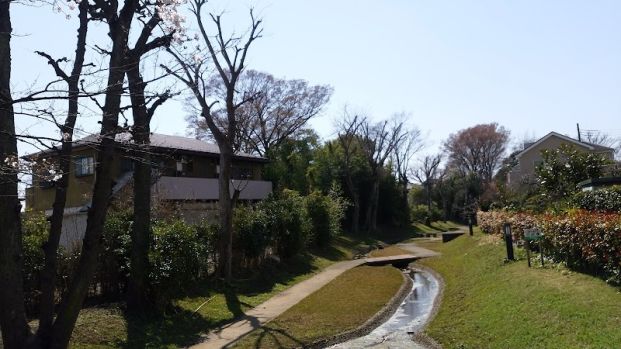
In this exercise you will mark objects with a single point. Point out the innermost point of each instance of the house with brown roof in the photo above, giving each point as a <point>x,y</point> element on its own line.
<point>522,173</point>
<point>185,173</point>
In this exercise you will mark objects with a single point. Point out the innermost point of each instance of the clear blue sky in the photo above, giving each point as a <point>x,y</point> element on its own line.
<point>533,66</point>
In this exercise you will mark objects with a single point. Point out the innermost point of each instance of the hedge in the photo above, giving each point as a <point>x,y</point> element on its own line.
<point>584,240</point>
<point>604,200</point>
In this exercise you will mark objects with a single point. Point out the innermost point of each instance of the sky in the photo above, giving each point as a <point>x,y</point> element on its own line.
<point>532,66</point>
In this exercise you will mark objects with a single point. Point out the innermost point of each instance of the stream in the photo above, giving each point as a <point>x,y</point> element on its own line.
<point>410,317</point>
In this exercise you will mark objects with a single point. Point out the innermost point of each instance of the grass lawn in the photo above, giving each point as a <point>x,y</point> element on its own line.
<point>206,308</point>
<point>388,251</point>
<point>490,304</point>
<point>343,304</point>
<point>436,227</point>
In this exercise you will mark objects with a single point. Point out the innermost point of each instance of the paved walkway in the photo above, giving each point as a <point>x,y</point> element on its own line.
<point>270,309</point>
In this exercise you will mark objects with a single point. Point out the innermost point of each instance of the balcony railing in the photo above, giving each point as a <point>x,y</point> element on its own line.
<point>189,188</point>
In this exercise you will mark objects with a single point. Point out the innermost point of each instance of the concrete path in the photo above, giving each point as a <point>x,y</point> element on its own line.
<point>270,309</point>
<point>418,251</point>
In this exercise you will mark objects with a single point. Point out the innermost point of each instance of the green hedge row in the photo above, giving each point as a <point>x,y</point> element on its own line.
<point>604,200</point>
<point>584,240</point>
<point>181,254</point>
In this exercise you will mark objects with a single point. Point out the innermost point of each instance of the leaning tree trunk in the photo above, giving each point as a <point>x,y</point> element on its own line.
<point>48,274</point>
<point>15,330</point>
<point>104,180</point>
<point>137,297</point>
<point>226,214</point>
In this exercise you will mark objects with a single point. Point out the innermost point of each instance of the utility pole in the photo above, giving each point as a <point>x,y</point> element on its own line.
<point>579,136</point>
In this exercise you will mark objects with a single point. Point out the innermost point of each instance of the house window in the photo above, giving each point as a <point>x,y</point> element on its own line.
<point>184,166</point>
<point>242,173</point>
<point>84,166</point>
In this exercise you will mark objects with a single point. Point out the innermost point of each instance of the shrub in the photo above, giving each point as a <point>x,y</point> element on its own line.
<point>492,222</point>
<point>318,208</point>
<point>35,230</point>
<point>288,222</point>
<point>605,200</point>
<point>420,213</point>
<point>252,232</point>
<point>179,258</point>
<point>584,240</point>
<point>114,258</point>
<point>589,241</point>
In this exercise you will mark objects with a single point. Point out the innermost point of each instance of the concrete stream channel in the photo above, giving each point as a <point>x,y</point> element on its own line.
<point>411,316</point>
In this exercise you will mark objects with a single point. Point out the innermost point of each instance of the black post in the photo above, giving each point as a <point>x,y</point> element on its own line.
<point>470,225</point>
<point>509,241</point>
<point>527,243</point>
<point>541,250</point>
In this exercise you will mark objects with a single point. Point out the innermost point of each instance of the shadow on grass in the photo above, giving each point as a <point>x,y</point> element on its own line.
<point>178,327</point>
<point>271,335</point>
<point>393,235</point>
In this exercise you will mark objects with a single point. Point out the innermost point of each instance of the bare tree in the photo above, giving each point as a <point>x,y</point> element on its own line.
<point>478,150</point>
<point>603,139</point>
<point>119,18</point>
<point>426,174</point>
<point>72,79</point>
<point>228,54</point>
<point>349,142</point>
<point>378,141</point>
<point>142,113</point>
<point>279,110</point>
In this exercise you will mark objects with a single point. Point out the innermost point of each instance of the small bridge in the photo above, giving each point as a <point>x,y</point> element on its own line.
<point>398,261</point>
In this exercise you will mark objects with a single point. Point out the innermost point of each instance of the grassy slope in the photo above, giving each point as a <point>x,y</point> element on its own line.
<point>108,327</point>
<point>388,251</point>
<point>343,304</point>
<point>489,304</point>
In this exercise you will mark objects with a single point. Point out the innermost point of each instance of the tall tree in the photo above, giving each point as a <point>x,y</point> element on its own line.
<point>72,80</point>
<point>142,113</point>
<point>15,330</point>
<point>119,18</point>
<point>228,54</point>
<point>426,174</point>
<point>378,141</point>
<point>280,110</point>
<point>350,146</point>
<point>401,158</point>
<point>478,150</point>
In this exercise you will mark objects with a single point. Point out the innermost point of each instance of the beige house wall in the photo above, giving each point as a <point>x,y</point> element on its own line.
<point>80,188</point>
<point>524,172</point>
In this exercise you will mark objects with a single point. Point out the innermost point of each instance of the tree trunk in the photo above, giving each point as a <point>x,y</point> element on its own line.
<point>104,180</point>
<point>355,219</point>
<point>137,297</point>
<point>48,274</point>
<point>226,213</point>
<point>15,329</point>
<point>371,219</point>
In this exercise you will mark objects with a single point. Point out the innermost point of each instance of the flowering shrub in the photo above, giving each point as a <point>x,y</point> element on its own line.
<point>492,222</point>
<point>605,200</point>
<point>584,240</point>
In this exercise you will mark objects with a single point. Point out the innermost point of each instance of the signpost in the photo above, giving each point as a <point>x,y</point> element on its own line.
<point>508,241</point>
<point>532,235</point>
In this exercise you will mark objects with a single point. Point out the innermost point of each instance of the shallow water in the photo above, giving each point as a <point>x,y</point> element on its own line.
<point>409,318</point>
